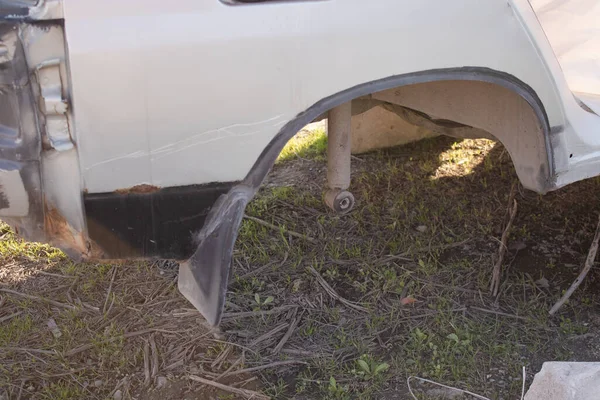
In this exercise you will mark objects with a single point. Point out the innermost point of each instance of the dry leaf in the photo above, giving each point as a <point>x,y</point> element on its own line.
<point>408,300</point>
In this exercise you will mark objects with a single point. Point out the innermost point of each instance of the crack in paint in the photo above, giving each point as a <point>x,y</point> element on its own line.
<point>184,144</point>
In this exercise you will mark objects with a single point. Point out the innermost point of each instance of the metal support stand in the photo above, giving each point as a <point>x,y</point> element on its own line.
<point>339,140</point>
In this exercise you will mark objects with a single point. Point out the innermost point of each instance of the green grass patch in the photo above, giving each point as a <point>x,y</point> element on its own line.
<point>12,246</point>
<point>15,329</point>
<point>306,144</point>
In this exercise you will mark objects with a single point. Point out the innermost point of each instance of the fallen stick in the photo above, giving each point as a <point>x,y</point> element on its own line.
<point>49,352</point>
<point>37,298</point>
<point>216,364</point>
<point>261,269</point>
<point>495,283</point>
<point>333,293</point>
<point>589,261</point>
<point>231,367</point>
<point>266,366</point>
<point>154,356</point>
<point>305,353</point>
<point>278,228</point>
<point>244,314</point>
<point>55,275</point>
<point>287,336</point>
<point>249,394</point>
<point>485,310</point>
<point>405,256</point>
<point>85,347</point>
<point>47,376</point>
<point>10,316</point>
<point>112,279</point>
<point>448,287</point>
<point>146,364</point>
<point>269,334</point>
<point>245,382</point>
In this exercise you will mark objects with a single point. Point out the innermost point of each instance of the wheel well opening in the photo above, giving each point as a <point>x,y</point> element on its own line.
<point>476,101</point>
<point>457,108</point>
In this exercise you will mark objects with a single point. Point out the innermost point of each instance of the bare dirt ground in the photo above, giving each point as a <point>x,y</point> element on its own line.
<point>324,306</point>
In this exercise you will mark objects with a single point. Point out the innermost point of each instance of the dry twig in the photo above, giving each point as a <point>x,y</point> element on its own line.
<point>85,347</point>
<point>10,316</point>
<point>112,279</point>
<point>41,272</point>
<point>485,310</point>
<point>334,294</point>
<point>406,255</point>
<point>244,382</point>
<point>49,352</point>
<point>216,364</point>
<point>305,353</point>
<point>146,364</point>
<point>266,366</point>
<point>287,335</point>
<point>249,394</point>
<point>589,261</point>
<point>269,334</point>
<point>154,352</point>
<point>245,314</point>
<point>37,298</point>
<point>279,228</point>
<point>512,206</point>
<point>264,267</point>
<point>231,367</point>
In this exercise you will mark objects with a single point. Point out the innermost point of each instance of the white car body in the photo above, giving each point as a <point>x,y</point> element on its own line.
<point>202,94</point>
<point>144,75</point>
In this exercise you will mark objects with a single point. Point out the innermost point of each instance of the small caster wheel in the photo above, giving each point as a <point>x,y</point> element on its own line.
<point>340,201</point>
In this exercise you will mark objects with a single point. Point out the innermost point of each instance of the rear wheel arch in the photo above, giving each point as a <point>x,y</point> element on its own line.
<point>530,151</point>
<point>203,277</point>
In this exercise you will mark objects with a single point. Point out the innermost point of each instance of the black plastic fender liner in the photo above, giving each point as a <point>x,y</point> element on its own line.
<point>203,277</point>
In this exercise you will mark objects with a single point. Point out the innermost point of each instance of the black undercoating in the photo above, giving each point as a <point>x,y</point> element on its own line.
<point>160,224</point>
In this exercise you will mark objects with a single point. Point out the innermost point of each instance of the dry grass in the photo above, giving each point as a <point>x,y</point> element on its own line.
<point>399,287</point>
<point>100,338</point>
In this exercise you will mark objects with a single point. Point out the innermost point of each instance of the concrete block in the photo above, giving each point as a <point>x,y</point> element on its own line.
<point>566,381</point>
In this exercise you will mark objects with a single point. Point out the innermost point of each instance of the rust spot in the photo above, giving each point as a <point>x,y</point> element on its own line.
<point>59,233</point>
<point>143,188</point>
